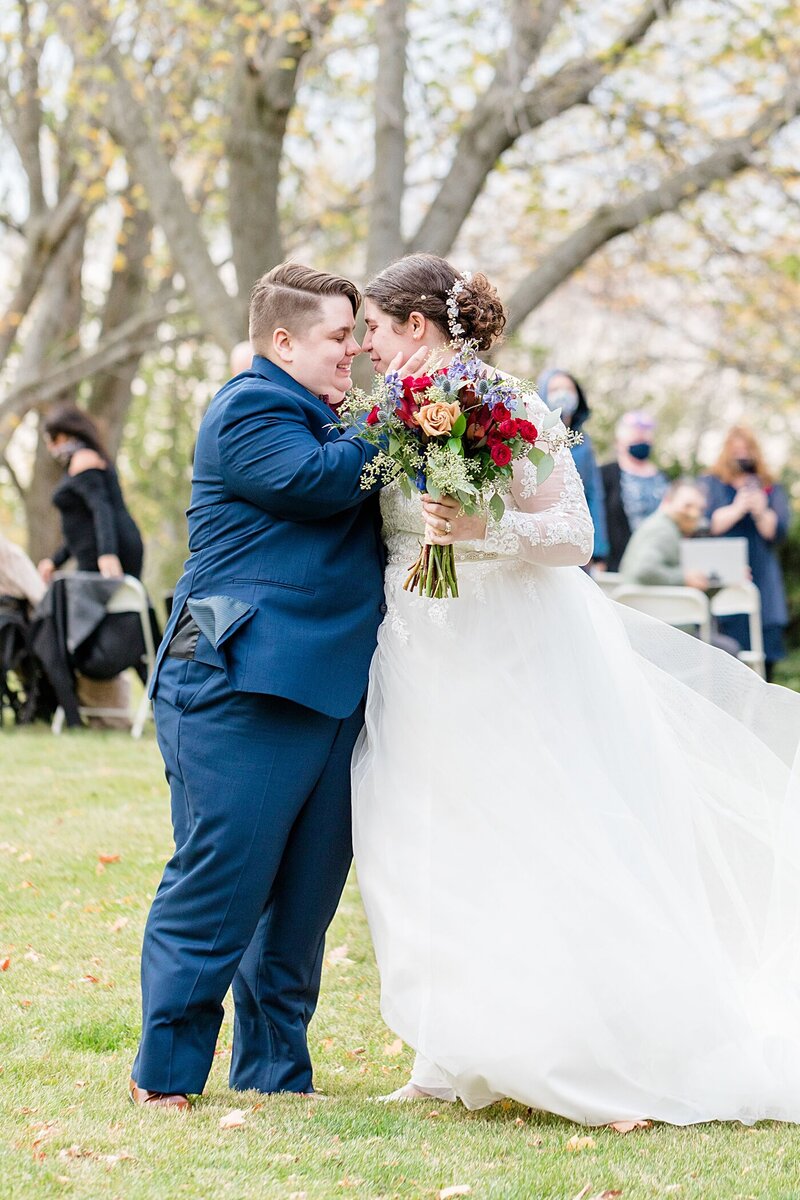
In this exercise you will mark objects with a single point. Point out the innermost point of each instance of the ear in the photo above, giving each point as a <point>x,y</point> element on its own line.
<point>282,345</point>
<point>417,324</point>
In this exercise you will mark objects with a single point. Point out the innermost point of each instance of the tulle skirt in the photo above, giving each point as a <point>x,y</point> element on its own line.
<point>577,838</point>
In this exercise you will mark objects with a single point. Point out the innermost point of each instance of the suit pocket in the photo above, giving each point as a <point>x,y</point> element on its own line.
<point>289,587</point>
<point>219,617</point>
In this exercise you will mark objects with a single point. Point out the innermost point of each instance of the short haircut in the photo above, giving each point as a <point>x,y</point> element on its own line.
<point>684,483</point>
<point>289,296</point>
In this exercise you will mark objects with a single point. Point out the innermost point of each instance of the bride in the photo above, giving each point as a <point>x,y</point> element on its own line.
<point>577,830</point>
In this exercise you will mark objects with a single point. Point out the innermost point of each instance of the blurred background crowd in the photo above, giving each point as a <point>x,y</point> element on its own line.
<point>624,172</point>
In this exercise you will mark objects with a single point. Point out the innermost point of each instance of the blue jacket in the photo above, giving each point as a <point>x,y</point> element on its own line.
<point>285,572</point>
<point>584,458</point>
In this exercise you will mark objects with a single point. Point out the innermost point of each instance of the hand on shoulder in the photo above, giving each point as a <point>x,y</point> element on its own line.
<point>86,459</point>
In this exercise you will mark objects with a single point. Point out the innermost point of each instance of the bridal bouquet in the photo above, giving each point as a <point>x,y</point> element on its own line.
<point>454,432</point>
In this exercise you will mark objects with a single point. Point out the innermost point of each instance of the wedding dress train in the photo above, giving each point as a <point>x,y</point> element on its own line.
<point>577,837</point>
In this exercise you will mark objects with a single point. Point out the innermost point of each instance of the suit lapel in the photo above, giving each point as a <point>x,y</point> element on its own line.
<point>269,370</point>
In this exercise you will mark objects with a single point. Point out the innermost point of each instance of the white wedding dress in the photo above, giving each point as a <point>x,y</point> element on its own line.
<point>577,837</point>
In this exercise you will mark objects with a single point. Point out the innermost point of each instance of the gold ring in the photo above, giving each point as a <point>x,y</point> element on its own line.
<point>448,528</point>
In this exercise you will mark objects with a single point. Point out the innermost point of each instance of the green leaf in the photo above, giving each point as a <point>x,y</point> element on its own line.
<point>545,468</point>
<point>405,486</point>
<point>550,420</point>
<point>459,426</point>
<point>394,443</point>
<point>536,455</point>
<point>433,491</point>
<point>454,445</point>
<point>497,506</point>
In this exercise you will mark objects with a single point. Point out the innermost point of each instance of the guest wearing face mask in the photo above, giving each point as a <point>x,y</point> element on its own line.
<point>561,391</point>
<point>98,531</point>
<point>745,501</point>
<point>633,485</point>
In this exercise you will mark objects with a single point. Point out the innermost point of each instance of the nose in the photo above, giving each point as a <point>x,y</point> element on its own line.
<point>353,348</point>
<point>366,345</point>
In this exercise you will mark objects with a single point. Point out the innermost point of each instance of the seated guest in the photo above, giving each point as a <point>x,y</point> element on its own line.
<point>653,556</point>
<point>633,485</point>
<point>98,530</point>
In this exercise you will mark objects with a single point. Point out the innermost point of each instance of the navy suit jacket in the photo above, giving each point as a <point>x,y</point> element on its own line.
<point>285,573</point>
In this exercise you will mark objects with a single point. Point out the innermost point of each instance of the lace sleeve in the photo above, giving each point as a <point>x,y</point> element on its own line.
<point>550,524</point>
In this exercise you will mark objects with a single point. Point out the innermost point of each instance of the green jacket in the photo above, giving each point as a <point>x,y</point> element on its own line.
<point>653,555</point>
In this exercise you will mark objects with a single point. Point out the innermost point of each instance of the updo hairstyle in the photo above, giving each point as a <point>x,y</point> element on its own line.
<point>421,283</point>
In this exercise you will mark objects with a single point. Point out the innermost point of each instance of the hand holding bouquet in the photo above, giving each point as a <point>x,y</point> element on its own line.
<point>455,432</point>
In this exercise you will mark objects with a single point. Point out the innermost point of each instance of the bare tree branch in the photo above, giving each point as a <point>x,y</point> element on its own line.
<point>45,235</point>
<point>130,340</point>
<point>27,124</point>
<point>506,112</point>
<point>385,240</point>
<point>129,123</point>
<point>609,221</point>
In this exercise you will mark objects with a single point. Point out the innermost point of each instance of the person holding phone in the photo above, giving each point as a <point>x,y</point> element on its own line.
<point>745,501</point>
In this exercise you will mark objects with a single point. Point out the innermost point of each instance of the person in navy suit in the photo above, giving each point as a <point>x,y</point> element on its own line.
<point>258,699</point>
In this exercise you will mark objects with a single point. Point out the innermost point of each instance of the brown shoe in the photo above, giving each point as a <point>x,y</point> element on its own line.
<point>141,1096</point>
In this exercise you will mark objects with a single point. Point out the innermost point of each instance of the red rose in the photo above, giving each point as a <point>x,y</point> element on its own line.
<point>501,454</point>
<point>420,383</point>
<point>372,419</point>
<point>500,412</point>
<point>527,430</point>
<point>508,428</point>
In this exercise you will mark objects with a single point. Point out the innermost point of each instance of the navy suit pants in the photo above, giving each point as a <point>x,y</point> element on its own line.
<point>260,790</point>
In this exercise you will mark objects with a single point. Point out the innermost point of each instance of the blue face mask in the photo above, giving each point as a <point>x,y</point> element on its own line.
<point>640,450</point>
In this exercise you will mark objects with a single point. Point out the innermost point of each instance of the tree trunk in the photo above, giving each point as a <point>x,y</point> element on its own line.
<point>54,332</point>
<point>111,393</point>
<point>385,241</point>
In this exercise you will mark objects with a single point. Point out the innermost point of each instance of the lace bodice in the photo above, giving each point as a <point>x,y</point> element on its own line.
<point>547,524</point>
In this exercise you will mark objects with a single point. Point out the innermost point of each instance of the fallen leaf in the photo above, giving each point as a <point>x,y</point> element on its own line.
<point>120,923</point>
<point>32,956</point>
<point>26,857</point>
<point>583,1192</point>
<point>338,956</point>
<point>359,1050</point>
<point>629,1126</point>
<point>297,1195</point>
<point>327,1043</point>
<point>394,1048</point>
<point>458,1189</point>
<point>234,1119</point>
<point>577,1143</point>
<point>111,1160</point>
<point>88,979</point>
<point>109,858</point>
<point>5,963</point>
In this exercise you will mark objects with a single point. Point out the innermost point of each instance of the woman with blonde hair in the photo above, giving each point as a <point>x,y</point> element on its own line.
<point>745,501</point>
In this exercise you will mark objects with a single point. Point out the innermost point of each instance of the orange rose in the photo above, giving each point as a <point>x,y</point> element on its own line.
<point>438,419</point>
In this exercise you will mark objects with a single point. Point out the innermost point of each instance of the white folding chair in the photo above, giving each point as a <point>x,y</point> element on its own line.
<point>744,599</point>
<point>130,596</point>
<point>609,582</point>
<point>673,605</point>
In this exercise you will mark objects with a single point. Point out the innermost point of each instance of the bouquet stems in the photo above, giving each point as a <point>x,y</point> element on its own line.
<point>434,573</point>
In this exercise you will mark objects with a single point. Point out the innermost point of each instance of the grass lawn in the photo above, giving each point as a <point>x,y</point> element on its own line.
<point>83,835</point>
